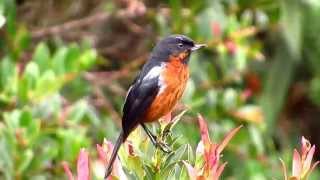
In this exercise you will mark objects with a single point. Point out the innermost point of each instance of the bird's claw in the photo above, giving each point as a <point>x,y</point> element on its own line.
<point>166,133</point>
<point>164,147</point>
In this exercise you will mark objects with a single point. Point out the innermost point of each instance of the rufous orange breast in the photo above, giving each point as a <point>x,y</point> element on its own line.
<point>175,77</point>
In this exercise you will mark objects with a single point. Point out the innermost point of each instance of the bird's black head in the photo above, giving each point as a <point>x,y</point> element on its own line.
<point>175,45</point>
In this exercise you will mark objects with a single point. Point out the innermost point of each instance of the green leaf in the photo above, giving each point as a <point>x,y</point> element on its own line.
<point>134,163</point>
<point>78,111</point>
<point>48,149</point>
<point>177,155</point>
<point>23,91</point>
<point>87,59</point>
<point>47,84</point>
<point>31,75</point>
<point>174,172</point>
<point>71,141</point>
<point>25,159</point>
<point>315,90</point>
<point>58,61</point>
<point>8,73</point>
<point>199,157</point>
<point>276,86</point>
<point>291,23</point>
<point>6,163</point>
<point>183,173</point>
<point>41,56</point>
<point>257,139</point>
<point>168,127</point>
<point>149,172</point>
<point>189,153</point>
<point>21,41</point>
<point>71,61</point>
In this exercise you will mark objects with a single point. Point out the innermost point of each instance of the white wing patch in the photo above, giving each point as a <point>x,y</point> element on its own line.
<point>156,72</point>
<point>161,84</point>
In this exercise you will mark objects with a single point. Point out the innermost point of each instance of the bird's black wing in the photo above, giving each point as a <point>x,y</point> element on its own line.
<point>140,96</point>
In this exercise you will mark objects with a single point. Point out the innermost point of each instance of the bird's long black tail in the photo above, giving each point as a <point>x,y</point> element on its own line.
<point>116,147</point>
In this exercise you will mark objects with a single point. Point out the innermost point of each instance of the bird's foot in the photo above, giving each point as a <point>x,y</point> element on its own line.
<point>164,147</point>
<point>158,141</point>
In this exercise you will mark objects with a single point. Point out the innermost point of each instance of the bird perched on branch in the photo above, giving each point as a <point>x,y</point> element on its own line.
<point>157,89</point>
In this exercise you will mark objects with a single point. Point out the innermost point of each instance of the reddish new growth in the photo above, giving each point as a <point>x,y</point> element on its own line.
<point>211,152</point>
<point>83,168</point>
<point>83,172</point>
<point>302,163</point>
<point>216,29</point>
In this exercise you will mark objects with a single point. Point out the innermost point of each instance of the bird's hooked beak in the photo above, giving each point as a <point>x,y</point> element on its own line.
<point>198,46</point>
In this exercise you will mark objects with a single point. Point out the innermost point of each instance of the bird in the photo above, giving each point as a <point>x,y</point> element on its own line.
<point>157,89</point>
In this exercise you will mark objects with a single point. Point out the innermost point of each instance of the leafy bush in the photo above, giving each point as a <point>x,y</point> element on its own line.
<point>172,166</point>
<point>140,160</point>
<point>34,134</point>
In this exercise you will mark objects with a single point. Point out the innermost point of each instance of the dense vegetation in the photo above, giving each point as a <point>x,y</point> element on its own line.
<point>65,67</point>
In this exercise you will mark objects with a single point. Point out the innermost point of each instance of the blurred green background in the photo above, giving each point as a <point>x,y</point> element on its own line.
<point>65,67</point>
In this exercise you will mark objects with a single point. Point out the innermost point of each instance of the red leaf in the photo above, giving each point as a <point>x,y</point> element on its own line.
<point>296,164</point>
<point>227,138</point>
<point>83,165</point>
<point>204,133</point>
<point>102,155</point>
<point>307,162</point>
<point>216,29</point>
<point>212,158</point>
<point>246,94</point>
<point>67,170</point>
<point>129,148</point>
<point>231,46</point>
<point>253,82</point>
<point>219,170</point>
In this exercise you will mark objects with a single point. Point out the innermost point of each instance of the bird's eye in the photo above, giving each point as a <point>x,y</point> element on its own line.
<point>180,45</point>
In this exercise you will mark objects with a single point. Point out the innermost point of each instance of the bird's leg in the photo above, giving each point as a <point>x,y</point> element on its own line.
<point>163,146</point>
<point>152,137</point>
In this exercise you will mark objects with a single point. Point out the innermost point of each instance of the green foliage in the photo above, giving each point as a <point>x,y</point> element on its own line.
<point>34,136</point>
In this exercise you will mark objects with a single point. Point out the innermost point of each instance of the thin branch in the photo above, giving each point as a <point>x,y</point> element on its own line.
<point>104,78</point>
<point>68,26</point>
<point>103,101</point>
